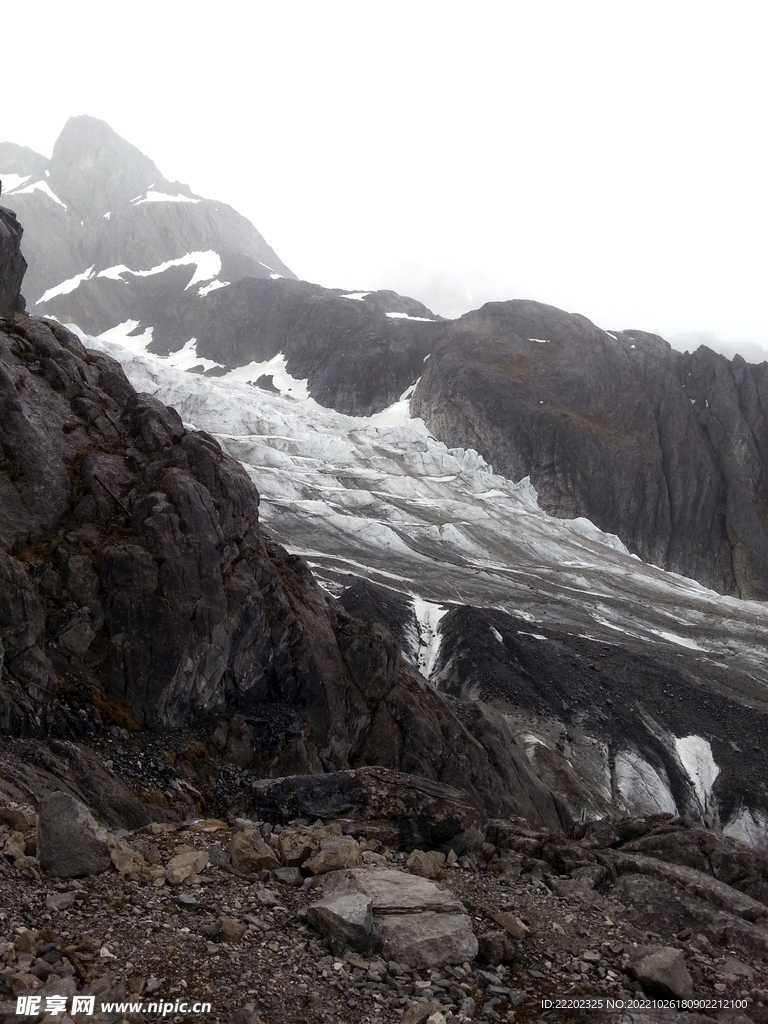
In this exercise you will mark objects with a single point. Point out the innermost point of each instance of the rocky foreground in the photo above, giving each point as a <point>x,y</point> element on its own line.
<point>340,920</point>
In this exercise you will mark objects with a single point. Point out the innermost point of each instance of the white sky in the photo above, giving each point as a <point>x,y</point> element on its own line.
<point>609,158</point>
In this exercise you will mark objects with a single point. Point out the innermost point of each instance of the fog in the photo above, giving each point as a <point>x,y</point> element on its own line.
<point>603,158</point>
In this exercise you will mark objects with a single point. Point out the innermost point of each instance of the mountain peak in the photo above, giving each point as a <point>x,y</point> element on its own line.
<point>94,170</point>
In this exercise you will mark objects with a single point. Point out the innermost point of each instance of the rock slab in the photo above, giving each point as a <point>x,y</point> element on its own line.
<point>69,842</point>
<point>414,922</point>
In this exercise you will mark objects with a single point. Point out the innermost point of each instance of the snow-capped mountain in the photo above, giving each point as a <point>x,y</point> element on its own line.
<point>108,234</point>
<point>505,493</point>
<point>629,687</point>
<point>667,450</point>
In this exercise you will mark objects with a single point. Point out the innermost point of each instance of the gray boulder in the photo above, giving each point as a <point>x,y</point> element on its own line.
<point>414,922</point>
<point>69,842</point>
<point>664,971</point>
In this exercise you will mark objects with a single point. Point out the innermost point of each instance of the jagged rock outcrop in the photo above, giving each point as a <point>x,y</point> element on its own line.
<point>134,566</point>
<point>13,266</point>
<point>668,450</point>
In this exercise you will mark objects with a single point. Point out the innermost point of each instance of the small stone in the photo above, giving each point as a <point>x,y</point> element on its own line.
<point>289,876</point>
<point>185,865</point>
<point>335,854</point>
<point>419,1013</point>
<point>250,854</point>
<point>664,970</point>
<point>232,930</point>
<point>346,920</point>
<point>512,924</point>
<point>218,856</point>
<point>59,900</point>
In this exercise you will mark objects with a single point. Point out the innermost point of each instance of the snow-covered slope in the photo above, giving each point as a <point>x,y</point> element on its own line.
<point>378,498</point>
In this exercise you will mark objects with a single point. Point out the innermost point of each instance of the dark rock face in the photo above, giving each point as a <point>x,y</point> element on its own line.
<point>411,810</point>
<point>667,450</point>
<point>356,358</point>
<point>134,566</point>
<point>13,266</point>
<point>86,208</point>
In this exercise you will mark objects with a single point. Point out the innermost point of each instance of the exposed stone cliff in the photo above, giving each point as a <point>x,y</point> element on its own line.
<point>666,449</point>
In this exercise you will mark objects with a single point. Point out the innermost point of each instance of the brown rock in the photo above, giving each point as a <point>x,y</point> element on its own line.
<point>250,854</point>
<point>428,865</point>
<point>232,930</point>
<point>335,854</point>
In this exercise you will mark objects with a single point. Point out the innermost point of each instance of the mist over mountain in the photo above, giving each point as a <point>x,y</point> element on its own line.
<point>99,204</point>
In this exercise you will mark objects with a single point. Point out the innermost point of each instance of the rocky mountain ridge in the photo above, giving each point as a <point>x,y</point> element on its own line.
<point>667,450</point>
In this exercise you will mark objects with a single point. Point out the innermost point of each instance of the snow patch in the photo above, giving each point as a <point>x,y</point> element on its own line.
<point>13,181</point>
<point>66,286</point>
<point>497,634</point>
<point>286,384</point>
<point>643,789</point>
<point>356,295</point>
<point>681,641</point>
<point>137,343</point>
<point>107,215</point>
<point>163,197</point>
<point>406,316</point>
<point>428,616</point>
<point>41,186</point>
<point>750,827</point>
<point>540,341</point>
<point>187,357</point>
<point>206,289</point>
<point>695,754</point>
<point>208,265</point>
